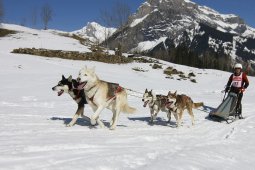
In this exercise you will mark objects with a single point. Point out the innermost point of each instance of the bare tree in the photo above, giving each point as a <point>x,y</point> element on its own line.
<point>120,13</point>
<point>117,17</point>
<point>34,16</point>
<point>1,11</point>
<point>107,20</point>
<point>46,15</point>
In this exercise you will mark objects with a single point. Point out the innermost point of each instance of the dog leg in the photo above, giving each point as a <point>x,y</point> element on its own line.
<point>115,119</point>
<point>169,116</point>
<point>152,111</point>
<point>95,116</point>
<point>155,115</point>
<point>180,116</point>
<point>113,116</point>
<point>76,116</point>
<point>98,121</point>
<point>101,124</point>
<point>176,118</point>
<point>192,116</point>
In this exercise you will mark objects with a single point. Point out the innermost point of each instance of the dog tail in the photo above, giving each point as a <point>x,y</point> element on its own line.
<point>124,103</point>
<point>196,105</point>
<point>127,109</point>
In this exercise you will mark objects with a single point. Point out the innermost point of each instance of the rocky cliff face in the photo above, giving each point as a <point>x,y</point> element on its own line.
<point>162,24</point>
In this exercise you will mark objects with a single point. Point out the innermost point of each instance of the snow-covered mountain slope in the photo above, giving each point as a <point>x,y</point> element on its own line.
<point>165,24</point>
<point>31,38</point>
<point>95,32</point>
<point>33,133</point>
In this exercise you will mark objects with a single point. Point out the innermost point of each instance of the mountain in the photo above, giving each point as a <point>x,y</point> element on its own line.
<point>164,24</point>
<point>95,32</point>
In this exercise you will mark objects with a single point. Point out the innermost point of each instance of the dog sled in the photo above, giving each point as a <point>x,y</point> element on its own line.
<point>228,110</point>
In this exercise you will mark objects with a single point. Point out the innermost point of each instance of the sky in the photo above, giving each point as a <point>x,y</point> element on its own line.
<point>70,15</point>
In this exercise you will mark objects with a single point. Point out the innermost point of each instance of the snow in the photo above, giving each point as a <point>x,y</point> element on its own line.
<point>221,29</point>
<point>33,134</point>
<point>95,32</point>
<point>31,38</point>
<point>147,45</point>
<point>250,51</point>
<point>137,21</point>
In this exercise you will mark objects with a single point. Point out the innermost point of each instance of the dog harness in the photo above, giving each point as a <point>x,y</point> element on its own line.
<point>113,90</point>
<point>161,99</point>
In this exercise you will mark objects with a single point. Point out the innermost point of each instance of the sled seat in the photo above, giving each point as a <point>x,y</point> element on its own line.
<point>226,108</point>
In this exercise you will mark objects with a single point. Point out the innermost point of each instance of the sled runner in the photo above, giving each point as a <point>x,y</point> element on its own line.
<point>228,110</point>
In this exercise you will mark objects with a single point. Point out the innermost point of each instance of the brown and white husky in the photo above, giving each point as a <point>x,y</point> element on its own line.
<point>178,103</point>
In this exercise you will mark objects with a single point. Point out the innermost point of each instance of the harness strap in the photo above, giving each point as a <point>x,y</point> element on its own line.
<point>118,89</point>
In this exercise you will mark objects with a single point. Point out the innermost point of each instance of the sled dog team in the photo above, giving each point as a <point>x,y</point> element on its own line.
<point>99,94</point>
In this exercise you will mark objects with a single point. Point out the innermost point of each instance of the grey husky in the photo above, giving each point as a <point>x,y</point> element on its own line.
<point>69,86</point>
<point>156,103</point>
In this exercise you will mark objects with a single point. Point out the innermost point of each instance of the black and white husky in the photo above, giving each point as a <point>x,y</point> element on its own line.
<point>69,85</point>
<point>156,103</point>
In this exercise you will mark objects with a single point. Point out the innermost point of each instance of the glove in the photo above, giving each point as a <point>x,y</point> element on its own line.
<point>241,90</point>
<point>227,89</point>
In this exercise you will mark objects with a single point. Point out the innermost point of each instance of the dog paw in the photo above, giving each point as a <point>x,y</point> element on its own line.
<point>111,122</point>
<point>93,121</point>
<point>69,125</point>
<point>112,128</point>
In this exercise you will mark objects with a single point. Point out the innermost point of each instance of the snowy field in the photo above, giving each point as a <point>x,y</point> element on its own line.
<point>33,134</point>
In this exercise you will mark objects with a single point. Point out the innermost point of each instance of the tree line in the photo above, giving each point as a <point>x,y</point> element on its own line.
<point>185,56</point>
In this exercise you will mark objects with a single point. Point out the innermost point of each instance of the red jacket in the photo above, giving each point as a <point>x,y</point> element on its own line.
<point>244,83</point>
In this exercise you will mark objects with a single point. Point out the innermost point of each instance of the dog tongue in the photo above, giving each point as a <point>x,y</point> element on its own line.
<point>60,92</point>
<point>169,104</point>
<point>145,103</point>
<point>80,87</point>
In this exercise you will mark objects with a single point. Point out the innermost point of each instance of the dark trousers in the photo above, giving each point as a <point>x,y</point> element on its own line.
<point>239,104</point>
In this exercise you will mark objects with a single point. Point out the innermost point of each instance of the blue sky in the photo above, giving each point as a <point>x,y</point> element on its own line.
<point>71,15</point>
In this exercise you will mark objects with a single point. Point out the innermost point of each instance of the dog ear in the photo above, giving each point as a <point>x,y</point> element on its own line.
<point>169,93</point>
<point>70,78</point>
<point>175,93</point>
<point>146,90</point>
<point>150,92</point>
<point>63,77</point>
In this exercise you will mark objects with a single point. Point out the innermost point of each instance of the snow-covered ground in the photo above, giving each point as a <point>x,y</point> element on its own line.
<point>33,134</point>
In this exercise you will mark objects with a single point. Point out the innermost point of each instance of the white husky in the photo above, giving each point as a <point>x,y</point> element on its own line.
<point>100,94</point>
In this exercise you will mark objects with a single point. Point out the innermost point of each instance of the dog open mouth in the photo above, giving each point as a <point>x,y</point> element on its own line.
<point>145,103</point>
<point>81,85</point>
<point>169,104</point>
<point>60,92</point>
